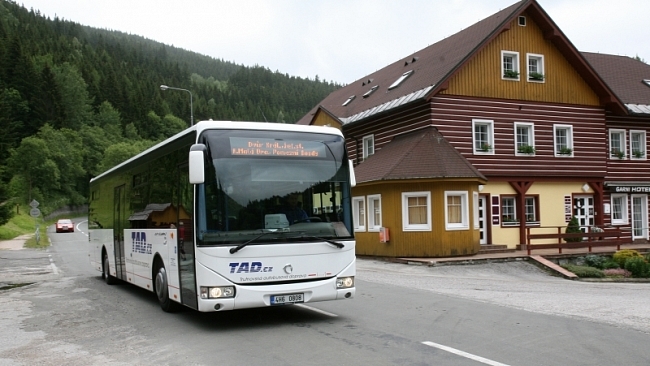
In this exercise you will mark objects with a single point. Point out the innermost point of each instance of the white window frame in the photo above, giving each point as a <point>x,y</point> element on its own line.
<point>406,226</point>
<point>374,207</point>
<point>464,206</point>
<point>359,203</point>
<point>476,216</point>
<point>368,146</point>
<point>539,67</point>
<point>527,205</point>
<point>623,220</point>
<point>569,138</point>
<point>530,135</point>
<point>512,204</point>
<point>642,142</point>
<point>515,65</point>
<point>476,143</point>
<point>617,135</point>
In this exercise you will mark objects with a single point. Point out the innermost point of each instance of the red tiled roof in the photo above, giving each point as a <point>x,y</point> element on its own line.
<point>423,153</point>
<point>624,75</point>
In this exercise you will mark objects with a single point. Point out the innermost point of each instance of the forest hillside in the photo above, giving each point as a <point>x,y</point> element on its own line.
<point>76,100</point>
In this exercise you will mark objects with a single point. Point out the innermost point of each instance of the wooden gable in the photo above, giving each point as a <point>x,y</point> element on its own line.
<point>323,118</point>
<point>482,77</point>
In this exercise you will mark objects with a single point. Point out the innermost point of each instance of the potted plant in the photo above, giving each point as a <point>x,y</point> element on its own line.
<point>565,151</point>
<point>638,154</point>
<point>526,149</point>
<point>536,76</point>
<point>618,153</point>
<point>511,74</point>
<point>573,227</point>
<point>485,147</point>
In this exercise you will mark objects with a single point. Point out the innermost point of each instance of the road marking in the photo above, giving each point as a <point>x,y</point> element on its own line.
<point>317,310</point>
<point>464,354</point>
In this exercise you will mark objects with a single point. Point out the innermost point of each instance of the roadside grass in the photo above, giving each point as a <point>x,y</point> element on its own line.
<point>22,224</point>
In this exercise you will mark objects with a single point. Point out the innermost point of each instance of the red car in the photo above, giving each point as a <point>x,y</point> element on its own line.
<point>64,225</point>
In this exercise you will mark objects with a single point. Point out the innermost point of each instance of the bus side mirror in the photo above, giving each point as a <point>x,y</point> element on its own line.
<point>196,163</point>
<point>353,178</point>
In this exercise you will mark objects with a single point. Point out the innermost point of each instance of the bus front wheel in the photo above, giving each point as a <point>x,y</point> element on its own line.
<point>162,292</point>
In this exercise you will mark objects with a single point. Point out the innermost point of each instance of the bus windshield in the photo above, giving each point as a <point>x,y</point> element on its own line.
<point>284,187</point>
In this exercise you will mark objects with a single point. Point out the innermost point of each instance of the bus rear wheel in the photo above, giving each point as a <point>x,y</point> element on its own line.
<point>106,272</point>
<point>162,292</point>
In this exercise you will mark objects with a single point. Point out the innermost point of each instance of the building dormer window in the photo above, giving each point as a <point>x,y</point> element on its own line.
<point>349,100</point>
<point>510,65</point>
<point>372,90</point>
<point>400,80</point>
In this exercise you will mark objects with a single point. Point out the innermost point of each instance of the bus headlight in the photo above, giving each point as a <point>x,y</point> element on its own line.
<point>217,292</point>
<point>345,282</point>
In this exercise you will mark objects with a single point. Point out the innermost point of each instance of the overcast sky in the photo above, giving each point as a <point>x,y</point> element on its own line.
<point>341,40</point>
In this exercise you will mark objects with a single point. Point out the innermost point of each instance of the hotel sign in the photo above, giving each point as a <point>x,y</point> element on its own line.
<point>629,189</point>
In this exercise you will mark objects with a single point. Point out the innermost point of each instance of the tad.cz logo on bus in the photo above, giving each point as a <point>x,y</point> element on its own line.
<point>246,267</point>
<point>139,243</point>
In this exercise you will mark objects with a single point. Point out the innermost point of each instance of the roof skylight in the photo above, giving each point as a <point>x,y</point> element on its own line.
<point>350,99</point>
<point>401,79</point>
<point>370,91</point>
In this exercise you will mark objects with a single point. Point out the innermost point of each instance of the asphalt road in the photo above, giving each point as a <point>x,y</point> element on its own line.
<point>496,314</point>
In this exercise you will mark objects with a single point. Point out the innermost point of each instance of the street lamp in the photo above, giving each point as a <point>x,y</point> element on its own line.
<point>165,87</point>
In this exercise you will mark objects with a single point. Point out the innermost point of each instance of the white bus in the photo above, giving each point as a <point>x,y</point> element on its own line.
<point>207,218</point>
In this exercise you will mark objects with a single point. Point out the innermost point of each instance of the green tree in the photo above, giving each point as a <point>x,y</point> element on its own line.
<point>120,152</point>
<point>32,162</point>
<point>573,227</point>
<point>6,211</point>
<point>74,96</point>
<point>109,120</point>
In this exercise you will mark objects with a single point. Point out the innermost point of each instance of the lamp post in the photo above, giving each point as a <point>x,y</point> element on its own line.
<point>165,87</point>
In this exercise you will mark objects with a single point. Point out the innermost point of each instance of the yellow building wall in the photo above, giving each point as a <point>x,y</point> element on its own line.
<point>481,76</point>
<point>551,207</point>
<point>323,119</point>
<point>438,242</point>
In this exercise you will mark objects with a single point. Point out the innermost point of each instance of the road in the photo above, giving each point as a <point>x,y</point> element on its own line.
<point>495,314</point>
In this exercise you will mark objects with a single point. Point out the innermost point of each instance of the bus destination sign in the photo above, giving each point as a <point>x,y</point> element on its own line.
<point>276,148</point>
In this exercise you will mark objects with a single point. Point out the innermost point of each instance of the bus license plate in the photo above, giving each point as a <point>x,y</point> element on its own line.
<point>287,299</point>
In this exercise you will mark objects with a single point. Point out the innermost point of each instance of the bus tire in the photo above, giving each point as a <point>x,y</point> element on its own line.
<point>161,289</point>
<point>106,272</point>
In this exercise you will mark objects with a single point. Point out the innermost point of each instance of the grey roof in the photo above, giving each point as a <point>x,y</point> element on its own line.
<point>626,77</point>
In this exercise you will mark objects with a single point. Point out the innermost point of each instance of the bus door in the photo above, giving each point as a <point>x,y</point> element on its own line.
<point>185,225</point>
<point>119,212</point>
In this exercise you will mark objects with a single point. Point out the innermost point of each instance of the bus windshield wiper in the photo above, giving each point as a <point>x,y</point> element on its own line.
<point>335,243</point>
<point>242,245</point>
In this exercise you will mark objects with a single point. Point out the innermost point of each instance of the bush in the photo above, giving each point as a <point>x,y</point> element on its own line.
<point>637,266</point>
<point>617,273</point>
<point>596,261</point>
<point>584,271</point>
<point>610,264</point>
<point>573,227</point>
<point>622,256</point>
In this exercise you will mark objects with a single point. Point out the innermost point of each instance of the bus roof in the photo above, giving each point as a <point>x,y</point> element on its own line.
<point>228,125</point>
